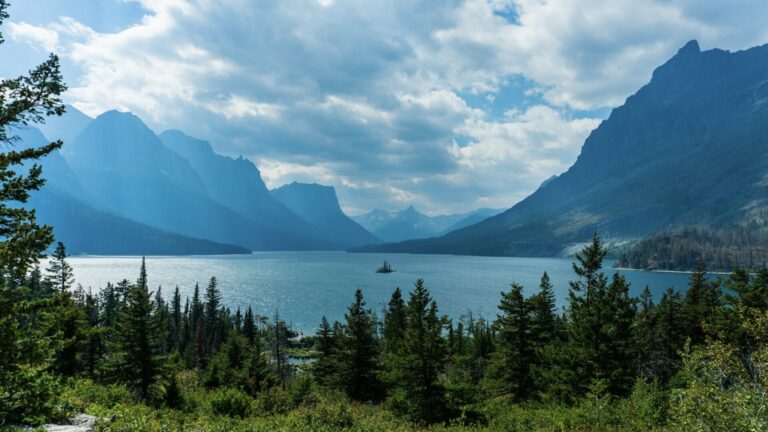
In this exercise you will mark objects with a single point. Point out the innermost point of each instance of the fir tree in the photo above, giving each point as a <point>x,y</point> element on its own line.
<point>326,368</point>
<point>249,326</point>
<point>212,305</point>
<point>510,366</point>
<point>139,361</point>
<point>60,274</point>
<point>701,300</point>
<point>394,322</point>
<point>359,355</point>
<point>600,324</point>
<point>419,394</point>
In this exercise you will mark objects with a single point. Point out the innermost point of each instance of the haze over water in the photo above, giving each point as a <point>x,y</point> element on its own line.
<point>304,286</point>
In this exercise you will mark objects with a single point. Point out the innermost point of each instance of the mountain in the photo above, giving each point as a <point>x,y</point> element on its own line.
<point>66,127</point>
<point>237,184</point>
<point>687,149</point>
<point>86,230</point>
<point>412,224</point>
<point>400,225</point>
<point>319,206</point>
<point>472,218</point>
<point>134,175</point>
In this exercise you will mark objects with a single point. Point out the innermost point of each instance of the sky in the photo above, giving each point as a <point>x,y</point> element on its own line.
<point>447,105</point>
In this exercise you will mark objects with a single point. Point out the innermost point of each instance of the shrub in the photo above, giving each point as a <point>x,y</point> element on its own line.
<point>230,402</point>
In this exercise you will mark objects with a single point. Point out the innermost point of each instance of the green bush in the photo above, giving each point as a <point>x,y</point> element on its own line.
<point>85,392</point>
<point>230,402</point>
<point>29,397</point>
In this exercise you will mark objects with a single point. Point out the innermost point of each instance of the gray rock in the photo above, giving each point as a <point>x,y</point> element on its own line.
<point>78,423</point>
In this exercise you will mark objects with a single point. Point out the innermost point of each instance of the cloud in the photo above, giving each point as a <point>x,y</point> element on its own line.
<point>46,39</point>
<point>392,102</point>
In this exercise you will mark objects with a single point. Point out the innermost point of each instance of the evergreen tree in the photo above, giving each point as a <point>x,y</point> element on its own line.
<point>249,326</point>
<point>359,364</point>
<point>60,275</point>
<point>701,300</point>
<point>394,323</point>
<point>419,394</point>
<point>212,315</point>
<point>94,346</point>
<point>509,372</point>
<point>176,321</point>
<point>543,313</point>
<point>600,324</point>
<point>139,361</point>
<point>326,367</point>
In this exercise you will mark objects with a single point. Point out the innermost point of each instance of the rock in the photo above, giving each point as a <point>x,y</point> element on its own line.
<point>78,423</point>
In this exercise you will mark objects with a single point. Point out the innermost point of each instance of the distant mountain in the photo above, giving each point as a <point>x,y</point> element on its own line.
<point>86,230</point>
<point>134,175</point>
<point>319,206</point>
<point>66,127</point>
<point>237,184</point>
<point>412,224</point>
<point>689,148</point>
<point>472,218</point>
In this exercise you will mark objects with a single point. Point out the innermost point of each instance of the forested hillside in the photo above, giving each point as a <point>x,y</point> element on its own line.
<point>723,249</point>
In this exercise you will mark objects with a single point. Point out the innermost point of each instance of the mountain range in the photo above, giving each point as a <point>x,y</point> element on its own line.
<point>689,148</point>
<point>118,188</point>
<point>395,226</point>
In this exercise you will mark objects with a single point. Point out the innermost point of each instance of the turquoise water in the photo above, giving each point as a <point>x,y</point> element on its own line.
<point>304,286</point>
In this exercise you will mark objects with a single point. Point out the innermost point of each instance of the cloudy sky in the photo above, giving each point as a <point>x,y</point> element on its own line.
<point>449,105</point>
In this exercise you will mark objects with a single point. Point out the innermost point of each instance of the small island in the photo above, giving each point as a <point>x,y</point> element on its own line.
<point>385,268</point>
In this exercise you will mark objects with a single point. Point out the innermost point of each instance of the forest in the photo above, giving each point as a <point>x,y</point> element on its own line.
<point>719,249</point>
<point>608,362</point>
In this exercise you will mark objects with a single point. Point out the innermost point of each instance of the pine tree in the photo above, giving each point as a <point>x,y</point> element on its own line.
<point>60,274</point>
<point>139,361</point>
<point>176,321</point>
<point>419,394</point>
<point>394,323</point>
<point>509,372</point>
<point>249,326</point>
<point>26,387</point>
<point>359,356</point>
<point>701,300</point>
<point>326,368</point>
<point>543,313</point>
<point>212,305</point>
<point>94,346</point>
<point>600,324</point>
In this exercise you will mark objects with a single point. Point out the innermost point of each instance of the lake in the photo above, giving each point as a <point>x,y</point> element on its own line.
<point>304,286</point>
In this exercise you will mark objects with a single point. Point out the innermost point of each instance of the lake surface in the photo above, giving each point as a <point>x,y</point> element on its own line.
<point>304,286</point>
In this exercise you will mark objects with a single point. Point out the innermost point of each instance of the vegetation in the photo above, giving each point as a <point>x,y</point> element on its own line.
<point>723,249</point>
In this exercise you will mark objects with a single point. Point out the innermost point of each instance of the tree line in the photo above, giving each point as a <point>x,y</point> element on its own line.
<point>719,249</point>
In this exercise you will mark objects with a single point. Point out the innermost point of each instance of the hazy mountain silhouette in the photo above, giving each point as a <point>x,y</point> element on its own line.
<point>319,205</point>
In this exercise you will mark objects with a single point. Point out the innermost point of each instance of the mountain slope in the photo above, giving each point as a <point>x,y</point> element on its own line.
<point>237,184</point>
<point>86,230</point>
<point>319,205</point>
<point>66,127</point>
<point>134,175</point>
<point>686,149</point>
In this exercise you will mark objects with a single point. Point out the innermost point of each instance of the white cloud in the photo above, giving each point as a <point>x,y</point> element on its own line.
<point>47,39</point>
